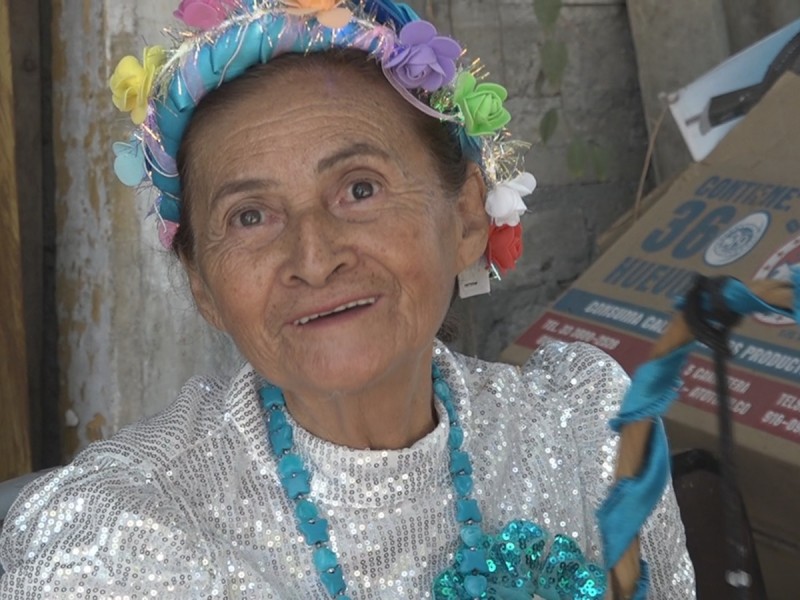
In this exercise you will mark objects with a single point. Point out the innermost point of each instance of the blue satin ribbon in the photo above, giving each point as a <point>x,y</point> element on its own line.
<point>386,11</point>
<point>654,388</point>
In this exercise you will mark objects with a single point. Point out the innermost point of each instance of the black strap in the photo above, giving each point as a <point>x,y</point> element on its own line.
<point>710,321</point>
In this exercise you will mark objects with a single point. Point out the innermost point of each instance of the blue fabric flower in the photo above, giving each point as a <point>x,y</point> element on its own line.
<point>129,164</point>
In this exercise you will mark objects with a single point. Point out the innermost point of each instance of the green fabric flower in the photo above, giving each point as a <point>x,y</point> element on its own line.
<point>481,105</point>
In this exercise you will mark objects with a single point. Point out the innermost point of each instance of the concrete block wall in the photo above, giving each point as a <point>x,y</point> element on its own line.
<point>128,332</point>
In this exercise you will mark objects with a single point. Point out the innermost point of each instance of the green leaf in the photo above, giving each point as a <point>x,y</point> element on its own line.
<point>554,61</point>
<point>548,125</point>
<point>600,160</point>
<point>577,157</point>
<point>547,12</point>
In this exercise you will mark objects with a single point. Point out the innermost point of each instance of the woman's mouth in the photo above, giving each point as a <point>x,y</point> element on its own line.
<point>337,311</point>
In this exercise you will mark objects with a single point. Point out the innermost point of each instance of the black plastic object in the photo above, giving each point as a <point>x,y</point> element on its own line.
<point>729,106</point>
<point>699,488</point>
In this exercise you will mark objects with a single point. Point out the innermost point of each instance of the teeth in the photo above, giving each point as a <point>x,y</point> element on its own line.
<point>338,309</point>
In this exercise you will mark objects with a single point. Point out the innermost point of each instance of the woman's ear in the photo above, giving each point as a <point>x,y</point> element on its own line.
<point>202,295</point>
<point>474,220</point>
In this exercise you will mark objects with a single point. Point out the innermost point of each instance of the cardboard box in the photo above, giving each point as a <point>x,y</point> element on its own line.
<point>736,213</point>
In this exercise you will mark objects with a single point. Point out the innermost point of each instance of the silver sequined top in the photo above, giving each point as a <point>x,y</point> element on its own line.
<point>187,504</point>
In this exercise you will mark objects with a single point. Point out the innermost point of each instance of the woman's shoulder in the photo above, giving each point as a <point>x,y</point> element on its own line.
<point>200,411</point>
<point>583,383</point>
<point>556,364</point>
<point>580,361</point>
<point>128,474</point>
<point>563,378</point>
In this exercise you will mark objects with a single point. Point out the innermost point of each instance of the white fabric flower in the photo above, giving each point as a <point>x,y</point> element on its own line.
<point>504,203</point>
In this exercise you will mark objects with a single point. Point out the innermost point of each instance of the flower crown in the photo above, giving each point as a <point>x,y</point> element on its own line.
<point>226,37</point>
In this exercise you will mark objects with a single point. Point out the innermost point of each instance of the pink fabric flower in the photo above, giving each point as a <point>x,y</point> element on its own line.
<point>204,14</point>
<point>167,230</point>
<point>422,59</point>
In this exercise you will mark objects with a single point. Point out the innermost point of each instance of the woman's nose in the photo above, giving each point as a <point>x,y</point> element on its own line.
<point>317,248</point>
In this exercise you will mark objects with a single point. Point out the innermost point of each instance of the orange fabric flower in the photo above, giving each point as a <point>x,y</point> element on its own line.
<point>329,13</point>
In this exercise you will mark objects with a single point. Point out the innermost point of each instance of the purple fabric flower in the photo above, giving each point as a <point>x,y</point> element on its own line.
<point>204,14</point>
<point>422,59</point>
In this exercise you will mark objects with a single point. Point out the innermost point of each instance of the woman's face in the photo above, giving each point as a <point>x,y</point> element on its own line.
<point>325,245</point>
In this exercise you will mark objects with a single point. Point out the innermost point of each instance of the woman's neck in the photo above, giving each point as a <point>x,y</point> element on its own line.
<point>392,413</point>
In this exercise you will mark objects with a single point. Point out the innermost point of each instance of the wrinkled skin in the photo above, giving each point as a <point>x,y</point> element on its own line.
<point>301,206</point>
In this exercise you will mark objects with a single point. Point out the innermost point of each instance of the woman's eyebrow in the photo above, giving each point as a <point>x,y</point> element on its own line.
<point>238,186</point>
<point>259,184</point>
<point>357,149</point>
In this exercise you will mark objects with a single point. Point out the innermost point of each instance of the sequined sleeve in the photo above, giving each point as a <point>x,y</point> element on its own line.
<point>109,526</point>
<point>591,386</point>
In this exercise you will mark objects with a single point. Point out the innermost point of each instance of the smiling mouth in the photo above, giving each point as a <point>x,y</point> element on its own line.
<point>338,310</point>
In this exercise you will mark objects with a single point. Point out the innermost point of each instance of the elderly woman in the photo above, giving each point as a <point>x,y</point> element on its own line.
<point>327,172</point>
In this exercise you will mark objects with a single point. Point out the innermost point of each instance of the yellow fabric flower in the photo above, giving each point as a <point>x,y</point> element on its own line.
<point>132,81</point>
<point>329,13</point>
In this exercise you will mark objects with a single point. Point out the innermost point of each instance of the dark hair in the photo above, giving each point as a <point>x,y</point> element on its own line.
<point>437,137</point>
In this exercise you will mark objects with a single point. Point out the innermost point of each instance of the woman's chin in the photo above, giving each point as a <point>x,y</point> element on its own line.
<point>344,371</point>
<point>349,365</point>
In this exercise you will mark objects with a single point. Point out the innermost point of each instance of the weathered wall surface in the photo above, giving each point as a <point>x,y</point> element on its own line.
<point>129,335</point>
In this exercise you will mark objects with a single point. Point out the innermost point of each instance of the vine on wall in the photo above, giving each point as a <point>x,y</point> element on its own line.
<point>584,156</point>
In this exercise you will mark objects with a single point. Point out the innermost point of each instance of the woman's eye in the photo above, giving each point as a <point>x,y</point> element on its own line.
<point>249,218</point>
<point>361,190</point>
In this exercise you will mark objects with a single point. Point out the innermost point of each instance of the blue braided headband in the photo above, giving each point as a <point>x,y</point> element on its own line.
<point>227,37</point>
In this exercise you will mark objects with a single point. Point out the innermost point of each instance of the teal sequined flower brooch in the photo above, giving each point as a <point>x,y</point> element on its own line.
<point>518,564</point>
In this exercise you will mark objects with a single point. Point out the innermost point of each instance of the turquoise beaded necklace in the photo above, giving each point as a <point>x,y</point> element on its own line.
<point>296,482</point>
<point>516,563</point>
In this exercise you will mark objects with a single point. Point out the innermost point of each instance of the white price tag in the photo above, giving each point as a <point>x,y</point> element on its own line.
<point>474,281</point>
